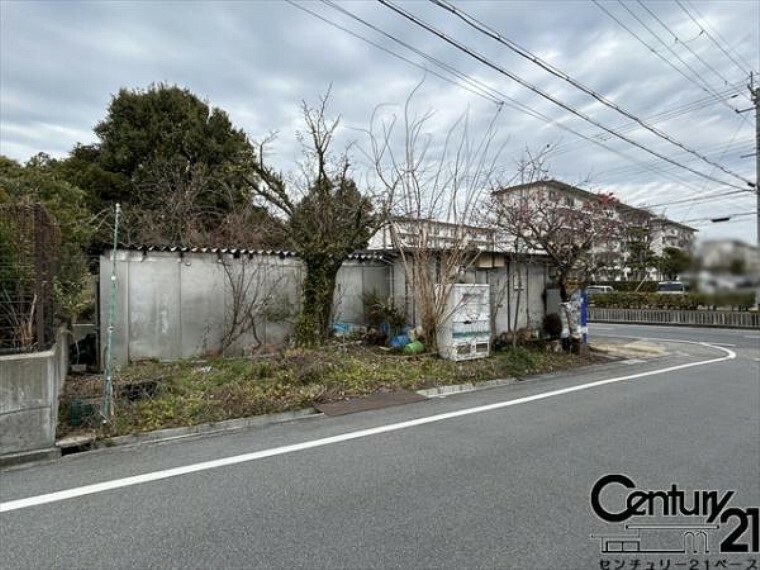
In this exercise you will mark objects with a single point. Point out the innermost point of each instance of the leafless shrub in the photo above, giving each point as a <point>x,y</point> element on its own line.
<point>435,188</point>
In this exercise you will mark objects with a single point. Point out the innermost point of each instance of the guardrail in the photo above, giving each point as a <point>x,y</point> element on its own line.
<point>728,319</point>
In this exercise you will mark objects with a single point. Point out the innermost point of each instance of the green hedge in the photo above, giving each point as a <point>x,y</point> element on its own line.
<point>691,301</point>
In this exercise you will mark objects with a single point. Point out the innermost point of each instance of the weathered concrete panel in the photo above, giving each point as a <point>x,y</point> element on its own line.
<point>536,288</point>
<point>172,305</point>
<point>21,381</point>
<point>499,282</point>
<point>354,279</point>
<point>154,300</point>
<point>285,279</point>
<point>26,430</point>
<point>202,291</point>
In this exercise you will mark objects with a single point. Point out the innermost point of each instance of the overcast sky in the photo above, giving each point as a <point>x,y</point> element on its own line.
<point>61,62</point>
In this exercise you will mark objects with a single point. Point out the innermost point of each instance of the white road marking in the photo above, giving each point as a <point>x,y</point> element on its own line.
<point>246,457</point>
<point>593,328</point>
<point>753,337</point>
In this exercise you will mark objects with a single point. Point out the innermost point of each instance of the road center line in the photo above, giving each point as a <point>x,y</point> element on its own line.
<point>246,457</point>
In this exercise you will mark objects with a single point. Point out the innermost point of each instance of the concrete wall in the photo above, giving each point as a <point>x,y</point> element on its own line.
<point>354,280</point>
<point>29,388</point>
<point>503,292</point>
<point>171,306</point>
<point>518,295</point>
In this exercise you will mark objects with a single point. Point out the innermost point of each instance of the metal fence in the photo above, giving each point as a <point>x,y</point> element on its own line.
<point>29,242</point>
<point>728,319</point>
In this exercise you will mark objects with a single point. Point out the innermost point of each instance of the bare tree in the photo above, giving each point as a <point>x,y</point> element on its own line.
<point>532,166</point>
<point>325,215</point>
<point>254,298</point>
<point>197,210</point>
<point>435,187</point>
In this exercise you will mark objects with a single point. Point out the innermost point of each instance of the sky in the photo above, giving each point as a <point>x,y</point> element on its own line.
<point>681,67</point>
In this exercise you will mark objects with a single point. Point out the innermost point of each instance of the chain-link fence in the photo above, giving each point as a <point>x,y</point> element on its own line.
<point>29,244</point>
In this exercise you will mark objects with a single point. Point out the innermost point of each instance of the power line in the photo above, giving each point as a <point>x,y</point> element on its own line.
<point>473,90</point>
<point>674,112</point>
<point>699,199</point>
<point>505,99</point>
<point>720,216</point>
<point>664,43</point>
<point>472,53</point>
<point>746,69</point>
<point>526,54</point>
<point>702,195</point>
<point>684,44</point>
<point>698,82</point>
<point>723,148</point>
<point>480,85</point>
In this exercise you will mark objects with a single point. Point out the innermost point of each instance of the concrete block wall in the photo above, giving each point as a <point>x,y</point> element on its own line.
<point>29,388</point>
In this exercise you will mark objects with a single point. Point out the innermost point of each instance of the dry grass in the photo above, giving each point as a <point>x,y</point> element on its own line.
<point>192,391</point>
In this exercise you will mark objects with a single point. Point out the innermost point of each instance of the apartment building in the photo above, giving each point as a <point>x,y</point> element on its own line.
<point>645,234</point>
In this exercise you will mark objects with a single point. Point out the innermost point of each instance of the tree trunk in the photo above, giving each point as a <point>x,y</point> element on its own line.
<point>562,280</point>
<point>519,288</point>
<point>319,287</point>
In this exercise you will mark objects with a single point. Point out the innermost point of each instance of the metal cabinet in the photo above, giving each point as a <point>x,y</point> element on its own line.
<point>465,332</point>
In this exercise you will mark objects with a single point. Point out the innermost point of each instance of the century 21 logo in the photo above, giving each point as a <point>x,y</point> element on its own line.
<point>675,502</point>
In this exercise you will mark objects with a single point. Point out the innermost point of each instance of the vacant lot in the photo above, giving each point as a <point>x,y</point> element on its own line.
<point>154,395</point>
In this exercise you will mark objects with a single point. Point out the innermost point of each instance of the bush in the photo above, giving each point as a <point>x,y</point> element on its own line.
<point>737,300</point>
<point>383,314</point>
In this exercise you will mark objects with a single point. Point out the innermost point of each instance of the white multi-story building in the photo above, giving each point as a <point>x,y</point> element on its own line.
<point>432,234</point>
<point>666,233</point>
<point>644,230</point>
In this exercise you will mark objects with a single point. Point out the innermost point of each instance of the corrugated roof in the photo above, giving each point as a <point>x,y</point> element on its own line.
<point>282,253</point>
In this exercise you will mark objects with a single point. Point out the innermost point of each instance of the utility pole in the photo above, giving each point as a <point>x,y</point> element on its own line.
<point>755,96</point>
<point>755,91</point>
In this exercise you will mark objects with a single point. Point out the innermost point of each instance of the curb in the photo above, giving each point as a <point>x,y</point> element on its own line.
<point>208,429</point>
<point>443,391</point>
<point>14,459</point>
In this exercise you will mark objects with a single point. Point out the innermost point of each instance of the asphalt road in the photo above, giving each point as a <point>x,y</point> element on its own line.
<point>442,483</point>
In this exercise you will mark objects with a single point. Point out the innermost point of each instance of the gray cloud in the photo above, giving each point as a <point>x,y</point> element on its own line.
<point>60,62</point>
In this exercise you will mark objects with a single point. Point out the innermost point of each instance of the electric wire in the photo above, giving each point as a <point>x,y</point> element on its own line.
<point>719,216</point>
<point>477,84</point>
<point>699,83</point>
<point>730,142</point>
<point>708,197</point>
<point>722,149</point>
<point>474,90</point>
<point>526,54</point>
<point>666,45</point>
<point>479,57</point>
<point>684,44</point>
<point>509,101</point>
<point>672,113</point>
<point>744,68</point>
